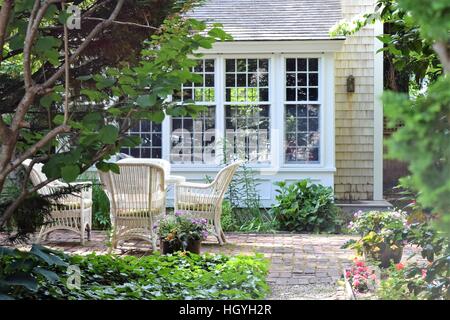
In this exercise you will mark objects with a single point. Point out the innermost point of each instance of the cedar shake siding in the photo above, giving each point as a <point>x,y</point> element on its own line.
<point>355,111</point>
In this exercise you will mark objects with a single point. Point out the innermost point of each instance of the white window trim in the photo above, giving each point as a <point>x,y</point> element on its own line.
<point>277,102</point>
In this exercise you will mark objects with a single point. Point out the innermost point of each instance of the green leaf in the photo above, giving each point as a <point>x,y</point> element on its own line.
<point>157,116</point>
<point>105,83</point>
<point>49,275</point>
<point>58,119</point>
<point>21,279</point>
<point>70,173</point>
<point>85,78</point>
<point>47,255</point>
<point>146,101</point>
<point>108,134</point>
<point>17,42</point>
<point>114,168</point>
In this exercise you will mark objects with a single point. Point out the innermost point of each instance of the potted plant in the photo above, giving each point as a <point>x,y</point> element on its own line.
<point>180,232</point>
<point>383,235</point>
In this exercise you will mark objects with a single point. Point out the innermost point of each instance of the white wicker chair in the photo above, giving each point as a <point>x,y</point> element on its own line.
<point>163,163</point>
<point>72,212</point>
<point>205,200</point>
<point>138,198</point>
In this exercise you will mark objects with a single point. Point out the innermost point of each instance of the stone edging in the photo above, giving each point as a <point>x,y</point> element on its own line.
<point>349,293</point>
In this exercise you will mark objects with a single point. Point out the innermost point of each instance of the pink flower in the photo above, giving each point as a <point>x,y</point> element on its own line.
<point>399,266</point>
<point>356,283</point>
<point>424,273</point>
<point>362,269</point>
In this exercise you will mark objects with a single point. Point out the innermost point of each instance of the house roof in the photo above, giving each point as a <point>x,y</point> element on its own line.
<point>253,20</point>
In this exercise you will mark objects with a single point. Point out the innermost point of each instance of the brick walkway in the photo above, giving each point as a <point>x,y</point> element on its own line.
<point>297,260</point>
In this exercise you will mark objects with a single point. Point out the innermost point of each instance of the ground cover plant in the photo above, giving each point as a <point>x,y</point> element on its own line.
<point>42,274</point>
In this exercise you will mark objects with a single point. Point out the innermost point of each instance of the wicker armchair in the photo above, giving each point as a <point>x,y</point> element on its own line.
<point>161,162</point>
<point>205,200</point>
<point>138,198</point>
<point>73,212</point>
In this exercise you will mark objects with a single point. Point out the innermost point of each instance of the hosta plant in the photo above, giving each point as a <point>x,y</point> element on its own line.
<point>305,206</point>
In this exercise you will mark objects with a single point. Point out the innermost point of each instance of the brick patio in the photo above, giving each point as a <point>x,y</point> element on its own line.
<point>296,259</point>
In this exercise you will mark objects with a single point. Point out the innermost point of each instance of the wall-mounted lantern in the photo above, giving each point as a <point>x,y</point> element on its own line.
<point>350,84</point>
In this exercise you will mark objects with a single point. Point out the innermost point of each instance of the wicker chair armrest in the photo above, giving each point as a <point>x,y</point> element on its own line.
<point>191,185</point>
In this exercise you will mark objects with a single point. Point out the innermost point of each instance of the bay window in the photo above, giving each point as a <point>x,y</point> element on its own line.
<point>245,99</point>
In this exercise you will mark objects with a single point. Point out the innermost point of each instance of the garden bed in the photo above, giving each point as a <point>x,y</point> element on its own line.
<point>177,276</point>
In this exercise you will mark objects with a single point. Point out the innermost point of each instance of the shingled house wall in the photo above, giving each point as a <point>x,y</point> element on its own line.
<point>355,111</point>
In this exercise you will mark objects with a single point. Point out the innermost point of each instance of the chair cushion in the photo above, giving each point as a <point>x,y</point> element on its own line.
<point>191,206</point>
<point>137,213</point>
<point>75,205</point>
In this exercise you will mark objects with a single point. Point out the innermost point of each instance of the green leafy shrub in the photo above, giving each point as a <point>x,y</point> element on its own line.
<point>228,220</point>
<point>22,273</point>
<point>418,282</point>
<point>304,206</point>
<point>396,286</point>
<point>242,210</point>
<point>101,219</point>
<point>178,276</point>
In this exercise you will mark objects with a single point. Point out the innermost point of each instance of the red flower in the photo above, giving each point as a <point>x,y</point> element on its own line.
<point>399,266</point>
<point>359,263</point>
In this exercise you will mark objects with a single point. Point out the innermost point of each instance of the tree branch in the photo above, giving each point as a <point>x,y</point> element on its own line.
<point>98,28</point>
<point>28,43</point>
<point>442,51</point>
<point>5,13</point>
<point>131,24</point>
<point>39,145</point>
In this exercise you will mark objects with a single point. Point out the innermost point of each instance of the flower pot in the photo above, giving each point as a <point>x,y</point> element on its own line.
<point>386,255</point>
<point>167,247</point>
<point>194,246</point>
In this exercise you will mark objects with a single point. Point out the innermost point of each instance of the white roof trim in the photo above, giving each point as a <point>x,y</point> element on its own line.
<point>297,46</point>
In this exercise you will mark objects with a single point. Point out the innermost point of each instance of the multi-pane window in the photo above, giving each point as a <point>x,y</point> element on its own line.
<point>151,140</point>
<point>193,139</point>
<point>247,109</point>
<point>202,91</point>
<point>302,111</point>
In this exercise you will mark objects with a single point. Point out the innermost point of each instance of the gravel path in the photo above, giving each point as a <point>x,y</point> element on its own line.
<point>307,292</point>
